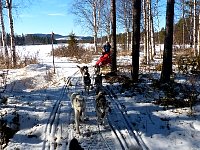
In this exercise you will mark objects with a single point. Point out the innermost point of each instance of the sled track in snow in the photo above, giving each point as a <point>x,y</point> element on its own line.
<point>127,134</point>
<point>113,135</point>
<point>54,130</point>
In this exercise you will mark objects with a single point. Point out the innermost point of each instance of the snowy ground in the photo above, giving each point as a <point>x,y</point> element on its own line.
<point>47,121</point>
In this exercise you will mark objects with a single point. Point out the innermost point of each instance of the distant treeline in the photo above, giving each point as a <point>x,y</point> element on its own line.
<point>29,39</point>
<point>42,39</point>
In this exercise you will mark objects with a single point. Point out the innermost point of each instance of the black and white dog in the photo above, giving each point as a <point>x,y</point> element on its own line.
<point>83,69</point>
<point>98,83</point>
<point>79,105</point>
<point>87,81</point>
<point>85,77</point>
<point>102,107</point>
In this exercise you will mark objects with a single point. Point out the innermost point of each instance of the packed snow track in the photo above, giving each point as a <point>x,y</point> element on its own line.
<point>116,134</point>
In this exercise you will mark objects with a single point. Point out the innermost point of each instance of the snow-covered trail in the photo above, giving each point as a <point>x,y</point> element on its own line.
<point>116,134</point>
<point>58,124</point>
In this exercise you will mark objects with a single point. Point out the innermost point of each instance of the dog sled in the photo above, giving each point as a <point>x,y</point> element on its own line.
<point>103,63</point>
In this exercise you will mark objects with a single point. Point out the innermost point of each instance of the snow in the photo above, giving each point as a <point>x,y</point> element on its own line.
<point>46,118</point>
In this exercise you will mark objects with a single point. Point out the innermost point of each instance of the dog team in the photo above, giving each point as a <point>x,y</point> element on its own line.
<point>79,104</point>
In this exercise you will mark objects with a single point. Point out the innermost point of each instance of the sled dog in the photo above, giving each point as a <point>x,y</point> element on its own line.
<point>85,77</point>
<point>102,107</point>
<point>78,104</point>
<point>86,81</point>
<point>98,83</point>
<point>74,145</point>
<point>83,69</point>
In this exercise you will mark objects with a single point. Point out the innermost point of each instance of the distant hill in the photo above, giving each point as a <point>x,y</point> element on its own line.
<point>59,37</point>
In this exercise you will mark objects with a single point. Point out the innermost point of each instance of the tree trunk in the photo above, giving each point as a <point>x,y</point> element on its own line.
<point>113,34</point>
<point>157,16</point>
<point>136,39</point>
<point>191,27</point>
<point>127,39</point>
<point>194,28</point>
<point>167,54</point>
<point>152,35</point>
<point>95,25</point>
<point>12,36</point>
<point>183,16</point>
<point>145,31</point>
<point>198,49</point>
<point>4,36</point>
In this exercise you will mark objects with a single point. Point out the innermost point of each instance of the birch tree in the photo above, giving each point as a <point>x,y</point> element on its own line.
<point>12,36</point>
<point>145,32</point>
<point>149,42</point>
<point>106,19</point>
<point>4,35</point>
<point>89,13</point>
<point>125,18</point>
<point>183,16</point>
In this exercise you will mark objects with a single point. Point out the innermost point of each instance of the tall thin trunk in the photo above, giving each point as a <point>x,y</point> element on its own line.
<point>136,39</point>
<point>198,49</point>
<point>113,33</point>
<point>168,43</point>
<point>145,31</point>
<point>95,25</point>
<point>183,16</point>
<point>52,42</point>
<point>4,35</point>
<point>153,51</point>
<point>191,27</point>
<point>150,30</point>
<point>158,28</point>
<point>125,23</point>
<point>12,36</point>
<point>194,28</point>
<point>127,38</point>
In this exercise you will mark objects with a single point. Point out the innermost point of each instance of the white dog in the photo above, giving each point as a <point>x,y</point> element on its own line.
<point>102,107</point>
<point>78,104</point>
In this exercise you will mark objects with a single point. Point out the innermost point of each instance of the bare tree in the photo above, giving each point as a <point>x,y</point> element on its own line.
<point>113,35</point>
<point>4,35</point>
<point>149,42</point>
<point>106,20</point>
<point>167,54</point>
<point>125,18</point>
<point>158,25</point>
<point>89,13</point>
<point>136,39</point>
<point>12,36</point>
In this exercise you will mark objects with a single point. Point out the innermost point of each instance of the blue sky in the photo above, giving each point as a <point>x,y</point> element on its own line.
<point>45,16</point>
